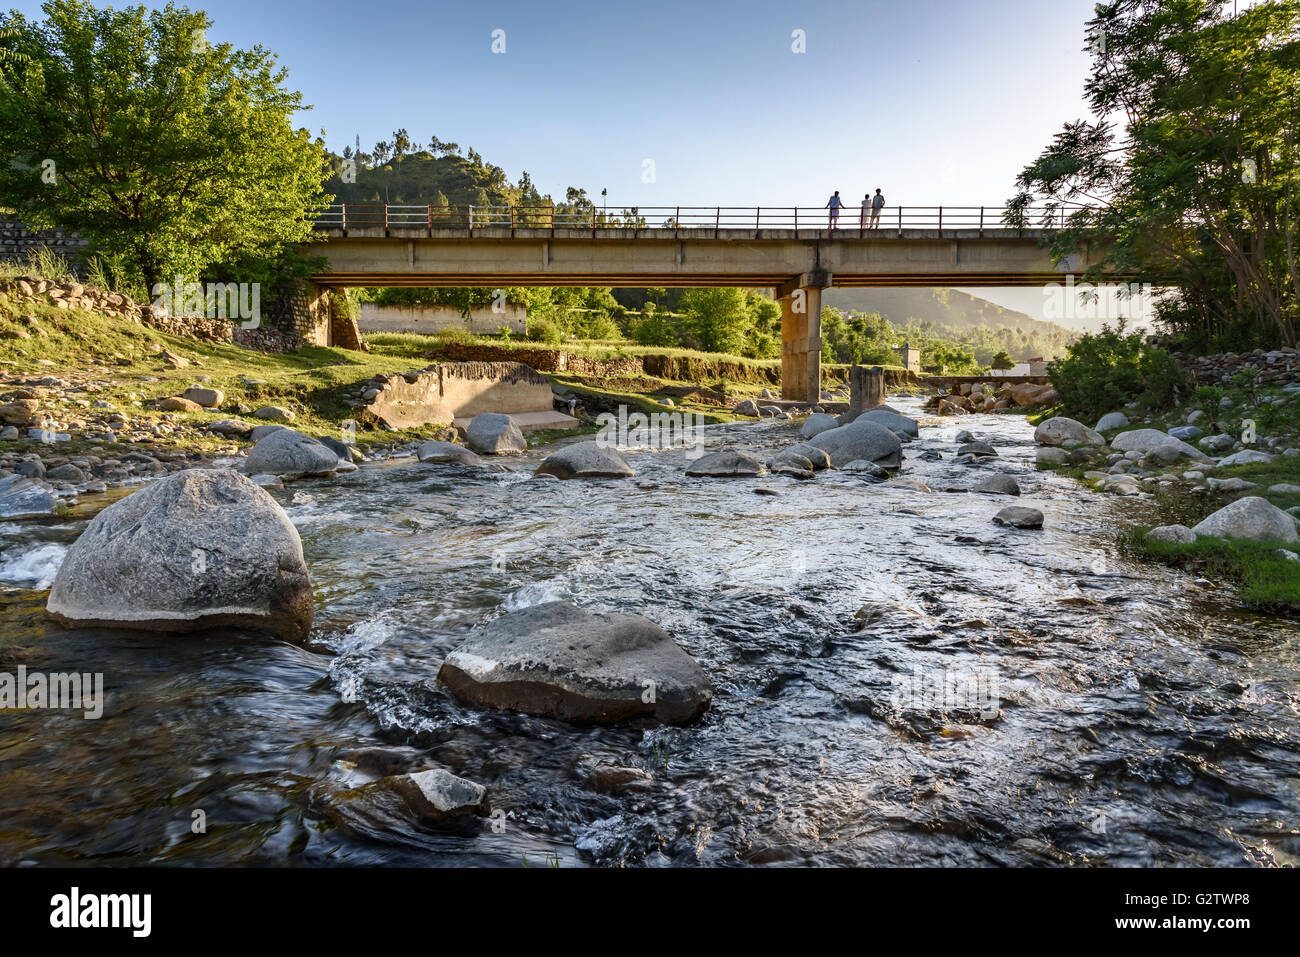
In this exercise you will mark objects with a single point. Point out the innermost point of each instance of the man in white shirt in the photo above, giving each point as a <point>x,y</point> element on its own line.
<point>835,205</point>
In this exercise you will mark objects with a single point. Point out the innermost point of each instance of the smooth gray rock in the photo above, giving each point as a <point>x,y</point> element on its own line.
<point>560,660</point>
<point>1111,420</point>
<point>1186,433</point>
<point>439,452</point>
<point>982,449</point>
<point>1247,457</point>
<point>290,454</point>
<point>747,407</point>
<point>868,468</point>
<point>585,460</point>
<point>901,425</point>
<point>1173,534</point>
<point>1018,516</point>
<point>817,423</point>
<point>259,432</point>
<point>818,457</point>
<point>236,428</point>
<point>1049,456</point>
<point>997,485</point>
<point>1065,431</point>
<point>1152,441</point>
<point>202,548</point>
<point>31,468</point>
<point>1217,443</point>
<point>1284,488</point>
<point>1253,518</point>
<point>66,473</point>
<point>274,413</point>
<point>491,433</point>
<point>861,439</point>
<point>726,463</point>
<point>22,497</point>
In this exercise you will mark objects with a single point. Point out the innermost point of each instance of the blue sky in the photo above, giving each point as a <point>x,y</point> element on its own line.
<point>937,102</point>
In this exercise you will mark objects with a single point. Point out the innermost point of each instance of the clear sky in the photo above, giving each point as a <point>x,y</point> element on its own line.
<point>937,102</point>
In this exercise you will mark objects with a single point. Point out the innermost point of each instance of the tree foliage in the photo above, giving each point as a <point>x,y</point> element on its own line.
<point>1189,165</point>
<point>167,151</point>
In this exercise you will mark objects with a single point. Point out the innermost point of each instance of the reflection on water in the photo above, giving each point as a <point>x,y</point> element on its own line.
<point>897,681</point>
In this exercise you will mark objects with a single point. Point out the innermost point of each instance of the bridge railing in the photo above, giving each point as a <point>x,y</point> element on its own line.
<point>693,219</point>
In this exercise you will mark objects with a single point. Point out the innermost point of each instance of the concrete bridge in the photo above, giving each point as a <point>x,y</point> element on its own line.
<point>796,252</point>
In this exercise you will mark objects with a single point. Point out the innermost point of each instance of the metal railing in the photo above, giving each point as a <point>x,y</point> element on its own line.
<point>696,220</point>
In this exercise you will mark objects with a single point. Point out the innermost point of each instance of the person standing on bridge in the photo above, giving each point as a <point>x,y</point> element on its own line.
<point>866,211</point>
<point>877,204</point>
<point>835,205</point>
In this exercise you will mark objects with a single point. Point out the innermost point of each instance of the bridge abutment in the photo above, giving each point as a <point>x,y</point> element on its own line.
<point>801,337</point>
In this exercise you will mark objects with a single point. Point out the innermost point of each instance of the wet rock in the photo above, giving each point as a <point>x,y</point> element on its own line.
<point>901,425</point>
<point>491,433</point>
<point>1018,516</point>
<point>727,463</point>
<point>1173,534</point>
<point>22,498</point>
<point>980,449</point>
<point>817,423</point>
<point>586,460</point>
<point>1111,420</point>
<point>199,549</point>
<point>439,452</point>
<point>433,798</point>
<point>861,439</point>
<point>862,466</point>
<point>792,464</point>
<point>818,457</point>
<point>290,454</point>
<point>1048,456</point>
<point>264,480</point>
<point>1065,431</point>
<point>559,660</point>
<point>1251,518</point>
<point>997,485</point>
<point>342,449</point>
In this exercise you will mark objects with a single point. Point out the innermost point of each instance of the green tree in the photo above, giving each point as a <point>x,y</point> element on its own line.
<point>1190,171</point>
<point>719,320</point>
<point>128,127</point>
<point>1002,361</point>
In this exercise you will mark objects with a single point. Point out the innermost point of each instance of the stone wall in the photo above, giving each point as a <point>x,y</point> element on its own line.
<point>1277,366</point>
<point>16,241</point>
<point>302,310</point>
<point>441,393</point>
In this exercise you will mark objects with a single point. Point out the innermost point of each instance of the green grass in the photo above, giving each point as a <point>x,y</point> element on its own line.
<point>1265,580</point>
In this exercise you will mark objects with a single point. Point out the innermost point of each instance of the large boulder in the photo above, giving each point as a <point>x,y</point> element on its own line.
<point>1152,441</point>
<point>1252,517</point>
<point>861,439</point>
<point>207,398</point>
<point>1172,535</point>
<point>290,454</point>
<point>1063,431</point>
<point>1247,457</point>
<point>22,497</point>
<point>1018,516</point>
<point>585,460</point>
<point>491,433</point>
<point>559,660</point>
<point>817,423</point>
<point>199,549</point>
<point>901,425</point>
<point>727,463</point>
<point>997,484</point>
<point>450,452</point>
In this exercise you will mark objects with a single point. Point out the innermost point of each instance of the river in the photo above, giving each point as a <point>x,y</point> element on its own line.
<point>1094,712</point>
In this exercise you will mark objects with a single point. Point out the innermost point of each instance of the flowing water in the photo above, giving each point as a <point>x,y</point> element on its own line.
<point>1004,696</point>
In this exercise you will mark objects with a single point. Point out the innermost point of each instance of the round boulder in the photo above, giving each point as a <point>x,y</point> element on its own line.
<point>559,660</point>
<point>439,452</point>
<point>290,454</point>
<point>1253,518</point>
<point>997,485</point>
<point>585,460</point>
<point>1064,431</point>
<point>491,433</point>
<point>199,549</point>
<point>727,463</point>
<point>869,441</point>
<point>818,423</point>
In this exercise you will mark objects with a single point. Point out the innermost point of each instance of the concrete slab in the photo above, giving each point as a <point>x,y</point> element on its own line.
<point>532,421</point>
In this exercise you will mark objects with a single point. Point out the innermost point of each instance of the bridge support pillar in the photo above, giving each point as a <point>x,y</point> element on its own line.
<point>801,338</point>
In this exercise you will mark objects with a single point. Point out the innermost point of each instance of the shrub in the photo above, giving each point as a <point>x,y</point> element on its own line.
<point>1111,368</point>
<point>543,330</point>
